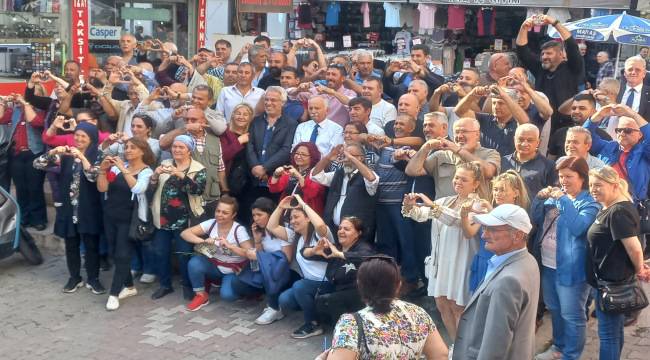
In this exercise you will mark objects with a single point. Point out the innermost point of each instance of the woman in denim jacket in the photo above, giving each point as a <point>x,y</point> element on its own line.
<point>565,215</point>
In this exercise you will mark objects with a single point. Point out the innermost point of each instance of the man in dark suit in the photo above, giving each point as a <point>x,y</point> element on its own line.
<point>635,92</point>
<point>499,319</point>
<point>269,144</point>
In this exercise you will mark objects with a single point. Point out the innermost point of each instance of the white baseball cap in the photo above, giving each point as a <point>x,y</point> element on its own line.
<point>506,214</point>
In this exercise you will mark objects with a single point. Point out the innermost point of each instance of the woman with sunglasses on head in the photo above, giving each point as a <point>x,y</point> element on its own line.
<point>565,214</point>
<point>233,143</point>
<point>79,218</point>
<point>507,188</point>
<point>125,185</point>
<point>452,250</point>
<point>296,178</point>
<point>343,259</point>
<point>615,252</point>
<point>390,328</point>
<point>306,228</point>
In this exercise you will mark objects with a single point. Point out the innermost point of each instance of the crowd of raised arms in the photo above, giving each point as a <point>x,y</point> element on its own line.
<point>339,186</point>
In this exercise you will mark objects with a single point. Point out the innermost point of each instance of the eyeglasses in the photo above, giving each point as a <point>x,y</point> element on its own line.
<point>301,154</point>
<point>336,65</point>
<point>626,131</point>
<point>351,133</point>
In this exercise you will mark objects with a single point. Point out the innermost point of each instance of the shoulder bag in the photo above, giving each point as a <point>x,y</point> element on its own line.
<point>363,352</point>
<point>619,296</point>
<point>210,251</point>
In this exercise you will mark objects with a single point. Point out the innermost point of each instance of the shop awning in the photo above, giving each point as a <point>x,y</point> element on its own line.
<point>597,4</point>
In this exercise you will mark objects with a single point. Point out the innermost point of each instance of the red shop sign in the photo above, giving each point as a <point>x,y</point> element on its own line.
<point>201,21</point>
<point>266,6</point>
<point>80,33</point>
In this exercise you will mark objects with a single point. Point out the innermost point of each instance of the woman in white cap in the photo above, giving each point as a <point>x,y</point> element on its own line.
<point>178,183</point>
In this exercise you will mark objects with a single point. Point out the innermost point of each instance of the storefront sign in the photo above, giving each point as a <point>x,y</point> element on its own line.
<point>80,33</point>
<point>266,6</point>
<point>606,4</point>
<point>130,13</point>
<point>200,40</point>
<point>105,33</point>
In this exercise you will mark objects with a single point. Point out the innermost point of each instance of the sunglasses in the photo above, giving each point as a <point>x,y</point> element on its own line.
<point>626,131</point>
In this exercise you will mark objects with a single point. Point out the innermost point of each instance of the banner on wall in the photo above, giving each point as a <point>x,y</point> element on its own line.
<point>200,39</point>
<point>80,33</point>
<point>266,6</point>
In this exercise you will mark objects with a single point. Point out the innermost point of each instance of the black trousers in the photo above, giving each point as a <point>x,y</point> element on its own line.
<point>330,306</point>
<point>29,188</point>
<point>123,248</point>
<point>73,255</point>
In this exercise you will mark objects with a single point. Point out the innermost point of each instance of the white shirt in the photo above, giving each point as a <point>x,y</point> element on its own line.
<point>311,269</point>
<point>325,179</point>
<point>382,113</point>
<point>271,243</point>
<point>637,96</point>
<point>242,235</point>
<point>230,97</point>
<point>374,129</point>
<point>330,134</point>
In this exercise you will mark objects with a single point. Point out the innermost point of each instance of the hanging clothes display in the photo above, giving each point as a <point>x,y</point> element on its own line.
<point>304,16</point>
<point>409,18</point>
<point>332,17</point>
<point>456,16</point>
<point>365,10</point>
<point>392,15</point>
<point>402,42</point>
<point>487,21</point>
<point>448,59</point>
<point>427,16</point>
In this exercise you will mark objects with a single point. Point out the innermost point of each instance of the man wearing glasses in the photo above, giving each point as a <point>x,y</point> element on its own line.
<point>438,157</point>
<point>627,154</point>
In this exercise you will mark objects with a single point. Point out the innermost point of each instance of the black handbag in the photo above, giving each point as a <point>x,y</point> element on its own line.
<point>619,296</point>
<point>141,230</point>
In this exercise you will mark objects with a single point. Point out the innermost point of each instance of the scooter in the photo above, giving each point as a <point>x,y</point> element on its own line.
<point>13,238</point>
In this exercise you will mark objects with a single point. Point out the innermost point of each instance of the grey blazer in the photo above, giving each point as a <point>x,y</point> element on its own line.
<point>499,320</point>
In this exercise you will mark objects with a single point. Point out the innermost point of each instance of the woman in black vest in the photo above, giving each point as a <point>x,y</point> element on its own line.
<point>125,185</point>
<point>80,216</point>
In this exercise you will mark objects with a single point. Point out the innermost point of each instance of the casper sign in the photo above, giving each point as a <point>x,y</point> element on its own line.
<point>104,33</point>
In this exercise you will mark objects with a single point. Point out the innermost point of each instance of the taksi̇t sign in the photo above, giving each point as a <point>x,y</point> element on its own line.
<point>80,33</point>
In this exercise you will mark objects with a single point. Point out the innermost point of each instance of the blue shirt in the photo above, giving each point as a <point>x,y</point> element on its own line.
<point>497,260</point>
<point>332,17</point>
<point>375,73</point>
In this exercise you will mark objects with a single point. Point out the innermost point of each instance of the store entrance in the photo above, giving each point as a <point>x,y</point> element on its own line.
<point>166,20</point>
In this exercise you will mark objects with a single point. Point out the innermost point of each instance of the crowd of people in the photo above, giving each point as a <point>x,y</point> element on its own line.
<point>338,187</point>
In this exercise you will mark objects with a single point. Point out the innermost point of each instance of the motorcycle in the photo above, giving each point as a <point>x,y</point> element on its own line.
<point>13,237</point>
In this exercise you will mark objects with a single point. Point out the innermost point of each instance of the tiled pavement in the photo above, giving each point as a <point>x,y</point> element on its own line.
<point>38,322</point>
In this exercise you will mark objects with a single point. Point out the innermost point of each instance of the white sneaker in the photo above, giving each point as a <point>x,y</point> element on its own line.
<point>451,352</point>
<point>147,278</point>
<point>113,303</point>
<point>551,353</point>
<point>127,292</point>
<point>268,316</point>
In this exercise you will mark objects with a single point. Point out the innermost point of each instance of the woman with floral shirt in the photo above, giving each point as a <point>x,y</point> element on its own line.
<point>177,184</point>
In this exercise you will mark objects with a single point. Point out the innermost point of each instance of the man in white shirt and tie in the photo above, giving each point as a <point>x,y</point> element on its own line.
<point>320,130</point>
<point>634,93</point>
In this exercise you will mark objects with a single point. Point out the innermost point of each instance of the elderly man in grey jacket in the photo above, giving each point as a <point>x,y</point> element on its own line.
<point>499,320</point>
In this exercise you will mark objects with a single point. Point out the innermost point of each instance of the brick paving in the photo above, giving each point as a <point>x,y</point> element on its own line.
<point>40,322</point>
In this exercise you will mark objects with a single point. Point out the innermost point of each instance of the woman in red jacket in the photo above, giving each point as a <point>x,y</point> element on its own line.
<point>296,178</point>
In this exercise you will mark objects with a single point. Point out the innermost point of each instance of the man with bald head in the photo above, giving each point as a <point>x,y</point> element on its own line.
<point>537,171</point>
<point>635,93</point>
<point>438,157</point>
<point>605,66</point>
<point>499,65</point>
<point>408,104</point>
<point>627,153</point>
<point>320,130</point>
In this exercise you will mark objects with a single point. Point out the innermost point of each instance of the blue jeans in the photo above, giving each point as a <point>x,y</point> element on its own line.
<point>200,268</point>
<point>302,296</point>
<point>144,259</point>
<point>610,332</point>
<point>395,237</point>
<point>162,247</point>
<point>567,307</point>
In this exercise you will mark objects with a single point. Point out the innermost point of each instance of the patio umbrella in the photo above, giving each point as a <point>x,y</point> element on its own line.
<point>622,28</point>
